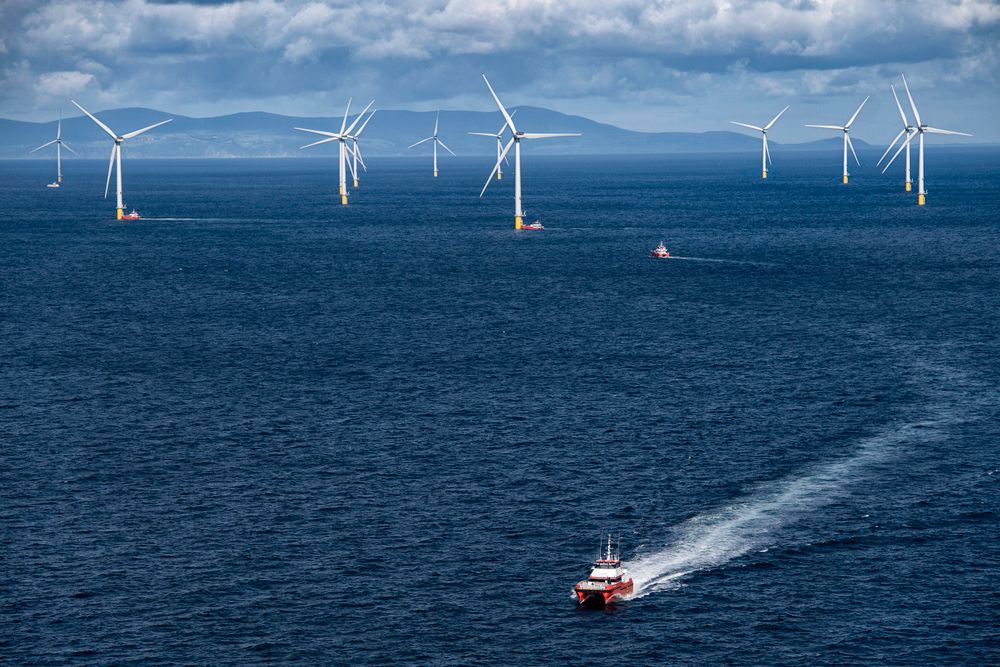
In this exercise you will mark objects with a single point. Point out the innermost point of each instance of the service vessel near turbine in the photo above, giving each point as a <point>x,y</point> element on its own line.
<point>116,155</point>
<point>515,141</point>
<point>920,129</point>
<point>608,581</point>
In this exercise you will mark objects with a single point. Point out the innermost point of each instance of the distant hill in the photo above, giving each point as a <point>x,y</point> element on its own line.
<point>259,134</point>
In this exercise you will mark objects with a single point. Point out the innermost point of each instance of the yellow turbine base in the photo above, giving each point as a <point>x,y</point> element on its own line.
<point>920,200</point>
<point>499,176</point>
<point>763,174</point>
<point>435,173</point>
<point>355,182</point>
<point>517,222</point>
<point>909,186</point>
<point>845,179</point>
<point>119,214</point>
<point>59,179</point>
<point>343,200</point>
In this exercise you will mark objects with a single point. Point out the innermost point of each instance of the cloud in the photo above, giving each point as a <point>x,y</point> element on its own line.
<point>573,54</point>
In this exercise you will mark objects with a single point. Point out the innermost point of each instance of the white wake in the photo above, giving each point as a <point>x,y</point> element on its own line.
<point>714,538</point>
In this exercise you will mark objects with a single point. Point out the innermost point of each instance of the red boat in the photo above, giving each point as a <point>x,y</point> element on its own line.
<point>608,581</point>
<point>131,216</point>
<point>660,252</point>
<point>537,224</point>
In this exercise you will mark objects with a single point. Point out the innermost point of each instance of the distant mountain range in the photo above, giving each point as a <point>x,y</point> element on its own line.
<point>259,134</point>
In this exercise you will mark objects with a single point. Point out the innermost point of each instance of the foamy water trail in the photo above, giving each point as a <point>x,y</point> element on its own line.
<point>714,538</point>
<point>722,261</point>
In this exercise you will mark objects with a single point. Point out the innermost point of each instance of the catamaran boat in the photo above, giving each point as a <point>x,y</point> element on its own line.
<point>537,224</point>
<point>660,252</point>
<point>607,582</point>
<point>131,216</point>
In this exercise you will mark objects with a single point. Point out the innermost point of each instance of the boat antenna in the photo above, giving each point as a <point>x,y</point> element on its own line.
<point>618,554</point>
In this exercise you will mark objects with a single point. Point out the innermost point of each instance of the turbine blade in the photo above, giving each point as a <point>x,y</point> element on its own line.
<point>752,127</point>
<point>913,106</point>
<point>934,130</point>
<point>489,179</point>
<point>361,159</point>
<point>850,144</point>
<point>325,134</point>
<point>350,164</point>
<point>66,146</point>
<point>99,123</point>
<point>130,135</point>
<point>899,106</point>
<point>547,135</point>
<point>365,124</point>
<point>901,133</point>
<point>363,112</point>
<point>500,146</point>
<point>903,145</point>
<point>506,116</point>
<point>827,127</point>
<point>43,146</point>
<point>856,112</point>
<point>321,141</point>
<point>420,142</point>
<point>111,164</point>
<point>347,111</point>
<point>445,147</point>
<point>437,120</point>
<point>768,126</point>
<point>59,126</point>
<point>485,134</point>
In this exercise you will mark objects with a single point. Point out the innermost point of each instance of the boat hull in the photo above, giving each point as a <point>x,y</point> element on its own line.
<point>603,597</point>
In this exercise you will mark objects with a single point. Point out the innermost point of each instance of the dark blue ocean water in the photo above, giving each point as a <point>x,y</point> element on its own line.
<point>260,428</point>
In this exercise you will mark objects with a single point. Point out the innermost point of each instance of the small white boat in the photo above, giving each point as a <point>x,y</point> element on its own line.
<point>52,185</point>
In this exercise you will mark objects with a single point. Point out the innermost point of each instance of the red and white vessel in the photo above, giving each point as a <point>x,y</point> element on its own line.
<point>537,224</point>
<point>660,252</point>
<point>130,216</point>
<point>608,581</point>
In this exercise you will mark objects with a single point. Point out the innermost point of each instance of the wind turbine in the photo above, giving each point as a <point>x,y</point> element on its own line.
<point>498,136</point>
<point>116,152</point>
<point>515,141</point>
<point>341,137</point>
<point>59,146</point>
<point>765,154</point>
<point>846,129</point>
<point>920,130</point>
<point>434,138</point>
<point>907,130</point>
<point>356,150</point>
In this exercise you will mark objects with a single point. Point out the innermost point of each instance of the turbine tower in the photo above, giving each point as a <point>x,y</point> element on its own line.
<point>356,150</point>
<point>846,129</point>
<point>515,141</point>
<point>434,138</point>
<point>907,130</point>
<point>498,136</point>
<point>765,154</point>
<point>60,144</point>
<point>920,130</point>
<point>116,153</point>
<point>341,138</point>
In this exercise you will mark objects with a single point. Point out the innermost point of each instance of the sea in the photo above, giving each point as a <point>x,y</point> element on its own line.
<point>257,427</point>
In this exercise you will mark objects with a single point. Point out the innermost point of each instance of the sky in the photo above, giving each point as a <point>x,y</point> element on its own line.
<point>680,65</point>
